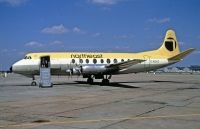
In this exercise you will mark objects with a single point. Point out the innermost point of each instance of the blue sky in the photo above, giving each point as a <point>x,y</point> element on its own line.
<point>95,25</point>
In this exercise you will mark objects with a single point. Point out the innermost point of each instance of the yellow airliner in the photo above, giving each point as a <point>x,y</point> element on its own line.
<point>100,65</point>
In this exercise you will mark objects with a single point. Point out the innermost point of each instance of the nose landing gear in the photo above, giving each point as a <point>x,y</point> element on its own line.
<point>33,83</point>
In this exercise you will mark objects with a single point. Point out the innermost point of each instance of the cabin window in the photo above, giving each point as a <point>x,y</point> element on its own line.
<point>128,59</point>
<point>115,60</point>
<point>169,45</point>
<point>80,61</point>
<point>122,60</point>
<point>102,61</point>
<point>73,61</point>
<point>108,61</point>
<point>94,61</point>
<point>87,61</point>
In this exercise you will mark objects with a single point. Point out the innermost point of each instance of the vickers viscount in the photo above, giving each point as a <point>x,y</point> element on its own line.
<point>100,65</point>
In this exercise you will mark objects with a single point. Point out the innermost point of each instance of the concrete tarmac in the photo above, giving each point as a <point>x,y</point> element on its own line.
<point>133,101</point>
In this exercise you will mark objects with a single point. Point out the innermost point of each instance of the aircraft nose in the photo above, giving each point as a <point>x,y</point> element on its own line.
<point>11,69</point>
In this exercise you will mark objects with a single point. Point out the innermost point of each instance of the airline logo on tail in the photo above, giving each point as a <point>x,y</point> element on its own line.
<point>170,48</point>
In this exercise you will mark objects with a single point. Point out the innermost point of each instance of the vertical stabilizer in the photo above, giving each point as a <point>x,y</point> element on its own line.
<point>170,46</point>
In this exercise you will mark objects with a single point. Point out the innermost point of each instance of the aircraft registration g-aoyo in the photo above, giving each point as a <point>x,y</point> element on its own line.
<point>101,65</point>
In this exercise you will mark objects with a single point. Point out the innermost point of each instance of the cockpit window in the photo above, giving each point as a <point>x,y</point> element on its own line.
<point>27,57</point>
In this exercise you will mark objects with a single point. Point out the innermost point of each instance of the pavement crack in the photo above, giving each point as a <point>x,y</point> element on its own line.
<point>193,97</point>
<point>150,111</point>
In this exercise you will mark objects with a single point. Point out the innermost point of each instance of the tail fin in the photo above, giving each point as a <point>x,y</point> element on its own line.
<point>170,46</point>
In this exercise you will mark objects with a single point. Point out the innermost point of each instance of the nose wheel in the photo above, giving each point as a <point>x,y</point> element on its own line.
<point>33,83</point>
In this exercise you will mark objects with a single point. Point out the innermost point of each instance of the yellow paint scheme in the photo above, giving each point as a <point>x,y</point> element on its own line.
<point>60,55</point>
<point>161,53</point>
<point>61,62</point>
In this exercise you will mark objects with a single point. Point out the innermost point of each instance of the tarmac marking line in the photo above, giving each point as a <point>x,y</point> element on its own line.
<point>98,120</point>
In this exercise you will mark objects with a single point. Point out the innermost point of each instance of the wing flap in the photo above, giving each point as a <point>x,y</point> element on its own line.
<point>124,65</point>
<point>181,55</point>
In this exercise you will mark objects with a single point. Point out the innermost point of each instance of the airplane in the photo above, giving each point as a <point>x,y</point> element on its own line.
<point>101,65</point>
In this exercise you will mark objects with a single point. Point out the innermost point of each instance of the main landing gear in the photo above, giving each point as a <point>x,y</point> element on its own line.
<point>33,83</point>
<point>105,80</point>
<point>90,80</point>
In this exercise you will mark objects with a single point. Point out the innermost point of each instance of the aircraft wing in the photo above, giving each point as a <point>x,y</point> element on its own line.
<point>125,64</point>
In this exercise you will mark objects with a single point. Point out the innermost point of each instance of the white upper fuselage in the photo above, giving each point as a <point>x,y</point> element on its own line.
<point>60,66</point>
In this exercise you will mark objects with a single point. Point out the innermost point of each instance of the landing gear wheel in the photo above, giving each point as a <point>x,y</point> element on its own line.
<point>33,83</point>
<point>105,82</point>
<point>90,81</point>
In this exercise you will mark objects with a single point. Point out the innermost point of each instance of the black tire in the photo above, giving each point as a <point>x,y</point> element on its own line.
<point>105,82</point>
<point>33,83</point>
<point>90,81</point>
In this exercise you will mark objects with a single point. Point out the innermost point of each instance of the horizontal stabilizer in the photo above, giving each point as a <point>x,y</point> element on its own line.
<point>124,65</point>
<point>181,55</point>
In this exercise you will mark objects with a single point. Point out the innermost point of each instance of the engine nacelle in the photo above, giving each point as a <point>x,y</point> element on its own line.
<point>74,71</point>
<point>88,70</point>
<point>93,69</point>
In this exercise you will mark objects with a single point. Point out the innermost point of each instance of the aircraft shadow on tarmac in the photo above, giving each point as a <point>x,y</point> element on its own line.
<point>154,81</point>
<point>20,85</point>
<point>111,84</point>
